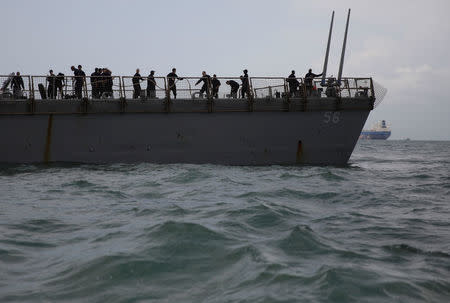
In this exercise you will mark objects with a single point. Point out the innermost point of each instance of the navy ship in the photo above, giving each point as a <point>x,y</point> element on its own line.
<point>317,122</point>
<point>380,131</point>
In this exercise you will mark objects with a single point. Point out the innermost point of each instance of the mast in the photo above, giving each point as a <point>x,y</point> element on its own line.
<point>325,64</point>
<point>341,65</point>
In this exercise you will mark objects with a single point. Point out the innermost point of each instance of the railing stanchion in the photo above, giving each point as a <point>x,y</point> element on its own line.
<point>371,88</point>
<point>250,94</point>
<point>121,93</point>
<point>287,94</point>
<point>32,87</point>
<point>304,95</point>
<point>122,80</point>
<point>31,96</point>
<point>85,90</point>
<point>167,107</point>
<point>348,88</point>
<point>66,81</point>
<point>209,96</point>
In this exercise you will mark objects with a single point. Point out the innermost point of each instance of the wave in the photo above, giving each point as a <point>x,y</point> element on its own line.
<point>43,226</point>
<point>377,232</point>
<point>182,258</point>
<point>264,215</point>
<point>181,230</point>
<point>79,184</point>
<point>29,244</point>
<point>153,195</point>
<point>110,236</point>
<point>191,175</point>
<point>11,256</point>
<point>303,241</point>
<point>404,249</point>
<point>288,193</point>
<point>352,283</point>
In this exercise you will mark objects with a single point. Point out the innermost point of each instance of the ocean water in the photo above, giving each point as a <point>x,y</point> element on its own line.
<point>377,230</point>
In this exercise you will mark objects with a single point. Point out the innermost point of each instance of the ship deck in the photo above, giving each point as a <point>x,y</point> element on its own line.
<point>267,94</point>
<point>11,107</point>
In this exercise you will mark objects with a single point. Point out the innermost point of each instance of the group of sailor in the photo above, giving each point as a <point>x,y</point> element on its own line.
<point>294,84</point>
<point>210,84</point>
<point>102,84</point>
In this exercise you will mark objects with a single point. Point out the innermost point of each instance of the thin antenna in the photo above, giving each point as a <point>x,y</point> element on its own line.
<point>341,65</point>
<point>325,64</point>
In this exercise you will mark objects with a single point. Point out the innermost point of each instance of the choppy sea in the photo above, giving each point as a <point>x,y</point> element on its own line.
<point>377,230</point>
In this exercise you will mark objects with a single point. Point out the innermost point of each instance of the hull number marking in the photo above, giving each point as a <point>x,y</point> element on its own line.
<point>333,117</point>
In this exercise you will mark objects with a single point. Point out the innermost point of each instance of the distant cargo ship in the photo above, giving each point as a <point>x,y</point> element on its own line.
<point>380,131</point>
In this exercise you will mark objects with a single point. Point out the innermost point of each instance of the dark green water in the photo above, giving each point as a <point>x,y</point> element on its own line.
<point>375,231</point>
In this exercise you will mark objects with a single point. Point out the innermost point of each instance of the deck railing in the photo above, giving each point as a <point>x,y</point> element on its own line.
<point>123,87</point>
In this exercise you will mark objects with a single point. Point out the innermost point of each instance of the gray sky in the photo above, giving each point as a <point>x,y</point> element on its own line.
<point>403,45</point>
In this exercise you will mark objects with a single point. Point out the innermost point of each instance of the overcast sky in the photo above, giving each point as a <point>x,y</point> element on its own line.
<point>403,45</point>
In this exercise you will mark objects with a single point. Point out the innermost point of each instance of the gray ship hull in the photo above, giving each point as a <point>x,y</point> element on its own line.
<point>232,138</point>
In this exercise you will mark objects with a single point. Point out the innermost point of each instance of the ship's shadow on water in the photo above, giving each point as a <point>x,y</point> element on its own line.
<point>375,230</point>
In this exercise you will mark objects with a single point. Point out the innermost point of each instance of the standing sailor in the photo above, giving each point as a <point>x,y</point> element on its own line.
<point>171,82</point>
<point>136,84</point>
<point>309,77</point>
<point>59,83</point>
<point>17,85</point>
<point>293,83</point>
<point>101,82</point>
<point>206,84</point>
<point>151,85</point>
<point>108,82</point>
<point>245,84</point>
<point>95,83</point>
<point>79,80</point>
<point>215,86</point>
<point>51,88</point>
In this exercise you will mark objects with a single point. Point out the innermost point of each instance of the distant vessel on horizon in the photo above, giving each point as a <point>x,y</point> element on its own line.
<point>380,131</point>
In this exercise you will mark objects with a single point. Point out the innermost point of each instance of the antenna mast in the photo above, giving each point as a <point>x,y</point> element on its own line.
<point>325,64</point>
<point>341,65</point>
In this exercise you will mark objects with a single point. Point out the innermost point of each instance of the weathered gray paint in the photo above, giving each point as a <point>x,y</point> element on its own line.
<point>328,131</point>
